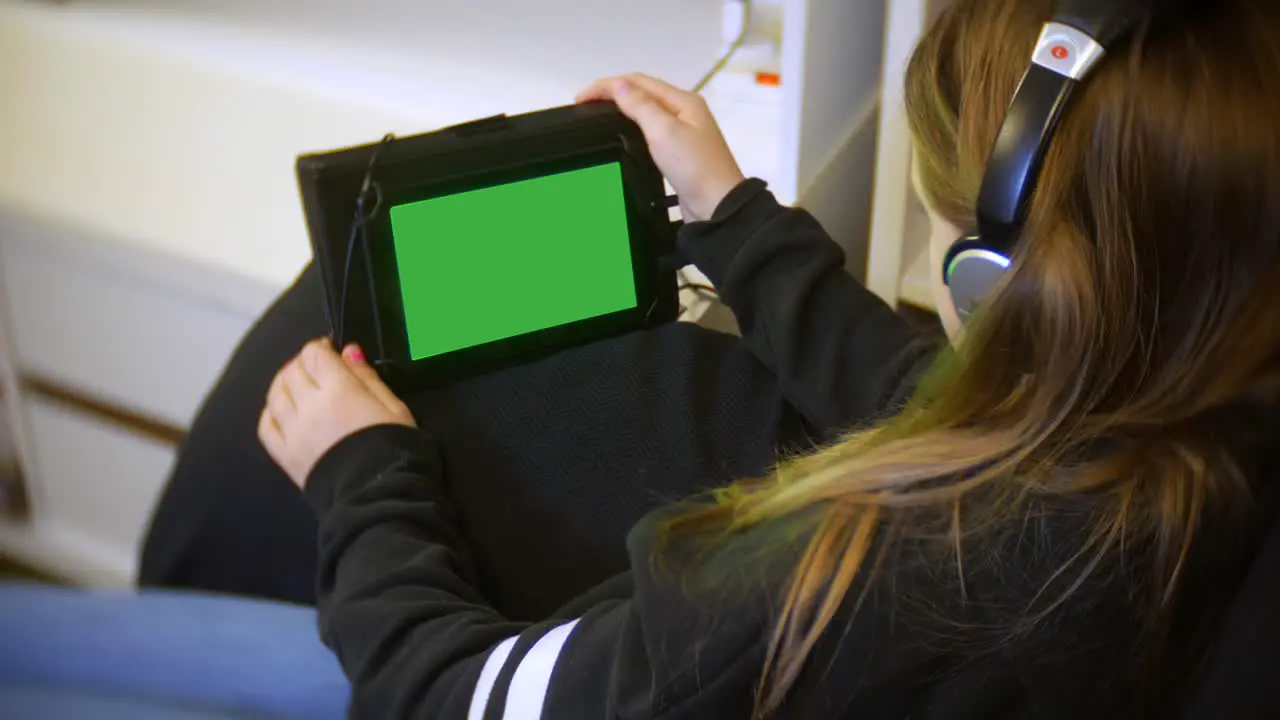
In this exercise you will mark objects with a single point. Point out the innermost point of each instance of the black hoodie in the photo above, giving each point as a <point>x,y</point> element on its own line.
<point>399,595</point>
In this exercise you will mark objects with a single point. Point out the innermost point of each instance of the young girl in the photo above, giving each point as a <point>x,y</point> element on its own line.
<point>1043,527</point>
<point>1048,524</point>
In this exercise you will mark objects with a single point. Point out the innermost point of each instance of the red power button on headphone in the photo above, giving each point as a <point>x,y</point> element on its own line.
<point>1060,52</point>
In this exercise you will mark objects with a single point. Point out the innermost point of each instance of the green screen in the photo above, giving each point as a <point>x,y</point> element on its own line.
<point>511,259</point>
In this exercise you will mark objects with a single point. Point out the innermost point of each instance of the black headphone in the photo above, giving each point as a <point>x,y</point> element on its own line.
<point>1069,49</point>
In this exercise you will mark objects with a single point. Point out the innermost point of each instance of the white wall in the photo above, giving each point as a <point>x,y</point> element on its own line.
<point>175,126</point>
<point>834,141</point>
<point>670,38</point>
<point>834,91</point>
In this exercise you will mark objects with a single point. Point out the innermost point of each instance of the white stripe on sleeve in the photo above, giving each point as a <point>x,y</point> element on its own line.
<point>528,689</point>
<point>488,676</point>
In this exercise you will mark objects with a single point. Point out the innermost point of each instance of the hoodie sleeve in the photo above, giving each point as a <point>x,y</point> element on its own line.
<point>841,354</point>
<point>404,613</point>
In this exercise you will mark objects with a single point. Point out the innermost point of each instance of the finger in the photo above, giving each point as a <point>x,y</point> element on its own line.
<point>354,355</point>
<point>272,439</point>
<point>654,119</point>
<point>368,376</point>
<point>604,89</point>
<point>321,361</point>
<point>279,400</point>
<point>297,380</point>
<point>679,100</point>
<point>601,89</point>
<point>269,433</point>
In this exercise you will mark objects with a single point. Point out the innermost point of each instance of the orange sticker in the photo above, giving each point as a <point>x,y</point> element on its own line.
<point>769,79</point>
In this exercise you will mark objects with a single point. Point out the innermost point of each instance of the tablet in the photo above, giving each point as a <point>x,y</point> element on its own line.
<point>492,243</point>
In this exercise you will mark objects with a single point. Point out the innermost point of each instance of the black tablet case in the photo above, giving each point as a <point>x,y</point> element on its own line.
<point>330,184</point>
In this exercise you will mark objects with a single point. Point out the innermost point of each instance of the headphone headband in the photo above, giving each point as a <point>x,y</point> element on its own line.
<point>1106,21</point>
<point>1069,48</point>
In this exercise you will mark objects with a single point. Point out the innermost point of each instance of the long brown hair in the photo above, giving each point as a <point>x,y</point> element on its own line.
<point>1141,315</point>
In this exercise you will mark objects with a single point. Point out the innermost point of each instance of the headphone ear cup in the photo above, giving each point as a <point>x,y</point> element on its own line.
<point>971,271</point>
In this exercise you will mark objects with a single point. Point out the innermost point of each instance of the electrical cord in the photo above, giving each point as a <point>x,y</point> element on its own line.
<point>728,54</point>
<point>699,287</point>
<point>701,85</point>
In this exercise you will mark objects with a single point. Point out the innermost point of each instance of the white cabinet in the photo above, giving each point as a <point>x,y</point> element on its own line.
<point>109,351</point>
<point>116,334</point>
<point>13,491</point>
<point>94,483</point>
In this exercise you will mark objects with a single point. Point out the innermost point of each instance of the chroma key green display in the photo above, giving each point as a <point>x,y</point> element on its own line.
<point>507,260</point>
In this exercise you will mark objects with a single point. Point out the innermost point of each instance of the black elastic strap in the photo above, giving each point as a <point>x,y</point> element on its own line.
<point>369,190</point>
<point>1035,112</point>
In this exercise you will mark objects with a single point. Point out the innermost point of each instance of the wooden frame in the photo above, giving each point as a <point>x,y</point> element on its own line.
<point>15,498</point>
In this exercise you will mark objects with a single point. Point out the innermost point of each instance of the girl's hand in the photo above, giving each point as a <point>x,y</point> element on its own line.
<point>318,399</point>
<point>684,139</point>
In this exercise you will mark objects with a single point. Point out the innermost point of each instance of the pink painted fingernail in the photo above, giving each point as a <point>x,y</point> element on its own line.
<point>355,354</point>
